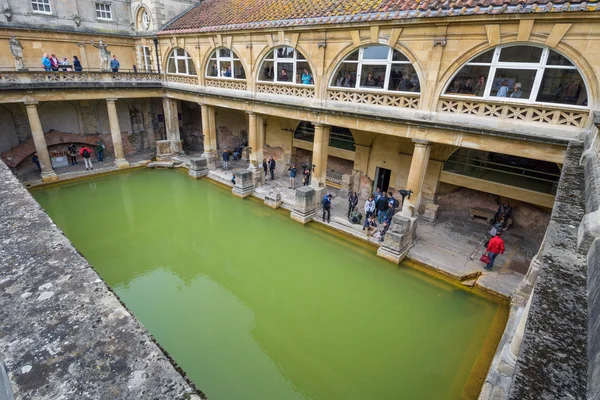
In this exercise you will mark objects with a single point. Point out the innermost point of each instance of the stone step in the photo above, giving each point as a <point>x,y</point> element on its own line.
<point>162,164</point>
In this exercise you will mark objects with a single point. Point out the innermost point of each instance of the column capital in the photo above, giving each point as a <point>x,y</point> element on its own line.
<point>320,124</point>
<point>30,103</point>
<point>421,142</point>
<point>251,113</point>
<point>111,100</point>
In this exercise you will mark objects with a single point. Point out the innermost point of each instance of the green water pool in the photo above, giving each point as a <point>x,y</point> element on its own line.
<point>253,305</point>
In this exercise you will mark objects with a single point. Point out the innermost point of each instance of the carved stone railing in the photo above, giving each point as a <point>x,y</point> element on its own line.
<point>287,90</point>
<point>61,78</point>
<point>226,84</point>
<point>375,98</point>
<point>189,80</point>
<point>559,115</point>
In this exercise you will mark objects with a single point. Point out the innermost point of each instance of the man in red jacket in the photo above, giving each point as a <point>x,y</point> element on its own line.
<point>495,247</point>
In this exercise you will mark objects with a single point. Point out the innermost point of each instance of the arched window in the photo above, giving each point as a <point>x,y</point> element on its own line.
<point>522,74</point>
<point>338,136</point>
<point>286,65</point>
<point>180,63</point>
<point>377,67</point>
<point>224,63</point>
<point>144,20</point>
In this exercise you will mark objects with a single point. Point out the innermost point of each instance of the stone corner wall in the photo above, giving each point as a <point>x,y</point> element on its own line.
<point>64,333</point>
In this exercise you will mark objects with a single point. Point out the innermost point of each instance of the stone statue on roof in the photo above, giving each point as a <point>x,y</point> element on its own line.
<point>104,54</point>
<point>17,51</point>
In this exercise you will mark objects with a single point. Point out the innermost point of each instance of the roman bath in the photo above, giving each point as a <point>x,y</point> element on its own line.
<point>165,228</point>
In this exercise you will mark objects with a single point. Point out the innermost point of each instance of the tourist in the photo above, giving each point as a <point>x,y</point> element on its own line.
<point>480,87</point>
<point>292,170</point>
<point>370,81</point>
<point>64,62</point>
<point>466,87</point>
<point>327,207</point>
<point>369,210</point>
<point>115,64</point>
<point>36,160</point>
<point>370,225</point>
<point>352,202</point>
<point>305,175</point>
<point>284,76</point>
<point>46,63</point>
<point>100,151</point>
<point>228,72</point>
<point>233,179</point>
<point>389,213</point>
<point>306,77</point>
<point>393,200</point>
<point>77,64</point>
<point>503,91</point>
<point>517,92</point>
<point>265,166</point>
<point>54,62</point>
<point>226,160</point>
<point>377,194</point>
<point>504,212</point>
<point>386,225</point>
<point>86,153</point>
<point>405,84</point>
<point>345,80</point>
<point>494,247</point>
<point>382,206</point>
<point>72,150</point>
<point>272,167</point>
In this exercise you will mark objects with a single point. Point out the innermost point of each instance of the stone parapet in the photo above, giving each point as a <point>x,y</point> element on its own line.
<point>305,205</point>
<point>273,199</point>
<point>400,237</point>
<point>198,167</point>
<point>244,184</point>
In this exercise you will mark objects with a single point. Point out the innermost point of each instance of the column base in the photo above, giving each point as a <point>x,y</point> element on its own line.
<point>273,200</point>
<point>244,186</point>
<point>49,176</point>
<point>211,158</point>
<point>303,217</point>
<point>242,192</point>
<point>121,163</point>
<point>390,255</point>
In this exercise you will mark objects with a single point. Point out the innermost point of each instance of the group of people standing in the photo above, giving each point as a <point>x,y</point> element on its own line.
<point>52,63</point>
<point>86,153</point>
<point>495,245</point>
<point>381,205</point>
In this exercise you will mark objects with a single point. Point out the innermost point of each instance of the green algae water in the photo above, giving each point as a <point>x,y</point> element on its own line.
<point>253,305</point>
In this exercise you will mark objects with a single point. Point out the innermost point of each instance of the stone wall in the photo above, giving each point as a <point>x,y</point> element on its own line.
<point>232,128</point>
<point>65,334</point>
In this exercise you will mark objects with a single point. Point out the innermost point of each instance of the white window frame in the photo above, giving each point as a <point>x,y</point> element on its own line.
<point>178,57</point>
<point>146,19</point>
<point>387,62</point>
<point>216,57</point>
<point>496,64</point>
<point>104,9</point>
<point>145,58</point>
<point>41,3</point>
<point>294,61</point>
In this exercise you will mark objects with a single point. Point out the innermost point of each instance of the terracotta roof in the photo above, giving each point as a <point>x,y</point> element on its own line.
<point>226,15</point>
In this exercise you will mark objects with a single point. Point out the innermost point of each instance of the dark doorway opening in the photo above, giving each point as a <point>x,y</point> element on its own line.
<point>382,179</point>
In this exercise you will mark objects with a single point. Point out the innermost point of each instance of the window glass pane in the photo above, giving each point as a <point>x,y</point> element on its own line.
<point>213,56</point>
<point>353,56</point>
<point>403,77</point>
<point>212,69</point>
<point>266,74</point>
<point>181,67</point>
<point>484,58</point>
<point>397,56</point>
<point>470,80</point>
<point>300,56</point>
<point>522,54</point>
<point>285,52</point>
<point>238,70</point>
<point>376,53</point>
<point>346,76</point>
<point>171,66</point>
<point>269,55</point>
<point>372,76</point>
<point>191,67</point>
<point>556,59</point>
<point>224,53</point>
<point>304,74</point>
<point>226,69</point>
<point>513,83</point>
<point>284,72</point>
<point>563,86</point>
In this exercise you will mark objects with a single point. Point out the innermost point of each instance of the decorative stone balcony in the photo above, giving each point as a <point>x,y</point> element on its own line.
<point>226,84</point>
<point>560,115</point>
<point>410,101</point>
<point>47,79</point>
<point>189,80</point>
<point>306,91</point>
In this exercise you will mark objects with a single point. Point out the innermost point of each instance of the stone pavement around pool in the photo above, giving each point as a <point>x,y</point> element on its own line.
<point>451,246</point>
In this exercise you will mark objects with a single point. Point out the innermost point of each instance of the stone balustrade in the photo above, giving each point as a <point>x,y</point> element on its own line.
<point>44,79</point>
<point>186,79</point>
<point>306,91</point>
<point>375,98</point>
<point>226,84</point>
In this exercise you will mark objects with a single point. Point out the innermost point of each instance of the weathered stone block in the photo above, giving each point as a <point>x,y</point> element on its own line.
<point>430,212</point>
<point>176,146</point>
<point>399,238</point>
<point>346,185</point>
<point>305,205</point>
<point>163,150</point>
<point>211,158</point>
<point>198,167</point>
<point>258,176</point>
<point>273,199</point>
<point>244,184</point>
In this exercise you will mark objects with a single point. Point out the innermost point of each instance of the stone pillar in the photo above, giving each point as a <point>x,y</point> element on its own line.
<point>320,153</point>
<point>48,174</point>
<point>198,167</point>
<point>399,238</point>
<point>305,205</point>
<point>115,133</point>
<point>253,140</point>
<point>172,124</point>
<point>244,184</point>
<point>261,122</point>
<point>416,175</point>
<point>210,152</point>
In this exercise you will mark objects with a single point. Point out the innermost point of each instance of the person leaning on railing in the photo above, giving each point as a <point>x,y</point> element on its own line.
<point>77,64</point>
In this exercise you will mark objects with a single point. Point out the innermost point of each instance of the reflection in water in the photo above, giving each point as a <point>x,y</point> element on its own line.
<point>253,305</point>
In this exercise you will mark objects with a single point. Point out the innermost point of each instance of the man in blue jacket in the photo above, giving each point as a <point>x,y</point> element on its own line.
<point>327,207</point>
<point>114,64</point>
<point>226,159</point>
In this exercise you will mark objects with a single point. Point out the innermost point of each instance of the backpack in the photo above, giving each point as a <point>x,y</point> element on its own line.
<point>396,203</point>
<point>86,153</point>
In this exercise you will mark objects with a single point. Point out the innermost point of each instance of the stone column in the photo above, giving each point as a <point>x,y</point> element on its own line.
<point>305,205</point>
<point>172,124</point>
<point>210,152</point>
<point>320,153</point>
<point>416,175</point>
<point>253,140</point>
<point>260,120</point>
<point>115,133</point>
<point>244,184</point>
<point>48,174</point>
